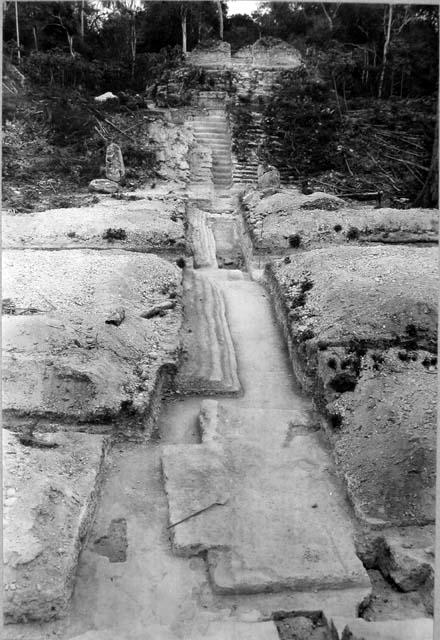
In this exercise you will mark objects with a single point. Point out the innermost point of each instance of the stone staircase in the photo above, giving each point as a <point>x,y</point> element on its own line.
<point>212,130</point>
<point>246,169</point>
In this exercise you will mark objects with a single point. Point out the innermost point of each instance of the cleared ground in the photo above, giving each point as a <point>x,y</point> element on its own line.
<point>78,347</point>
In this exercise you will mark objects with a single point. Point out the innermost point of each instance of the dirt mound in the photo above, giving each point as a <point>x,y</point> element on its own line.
<point>317,220</point>
<point>362,329</point>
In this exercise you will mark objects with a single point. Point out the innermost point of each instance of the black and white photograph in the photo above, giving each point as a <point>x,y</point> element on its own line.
<point>220,287</point>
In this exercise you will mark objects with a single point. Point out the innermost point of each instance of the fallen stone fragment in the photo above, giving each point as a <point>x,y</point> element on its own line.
<point>116,317</point>
<point>404,557</point>
<point>49,500</point>
<point>359,629</point>
<point>102,185</point>
<point>114,163</point>
<point>108,95</point>
<point>158,309</point>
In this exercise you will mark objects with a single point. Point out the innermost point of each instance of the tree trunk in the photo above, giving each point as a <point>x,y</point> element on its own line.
<point>17,28</point>
<point>328,16</point>
<point>133,42</point>
<point>82,21</point>
<point>220,17</point>
<point>34,31</point>
<point>70,41</point>
<point>337,97</point>
<point>386,47</point>
<point>183,12</point>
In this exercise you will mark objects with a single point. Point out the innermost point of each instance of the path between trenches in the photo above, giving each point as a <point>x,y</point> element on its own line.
<point>280,537</point>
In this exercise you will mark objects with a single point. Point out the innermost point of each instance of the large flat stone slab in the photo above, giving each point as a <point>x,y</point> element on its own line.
<point>153,223</point>
<point>358,629</point>
<point>62,360</point>
<point>50,494</point>
<point>283,525</point>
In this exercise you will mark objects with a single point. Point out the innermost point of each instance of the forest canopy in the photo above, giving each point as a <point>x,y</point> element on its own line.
<point>376,49</point>
<point>362,113</point>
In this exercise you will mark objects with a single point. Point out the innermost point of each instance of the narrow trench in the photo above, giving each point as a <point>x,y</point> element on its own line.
<point>128,576</point>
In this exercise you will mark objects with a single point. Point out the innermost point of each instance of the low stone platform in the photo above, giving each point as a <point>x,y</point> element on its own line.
<point>50,492</point>
<point>371,293</point>
<point>201,238</point>
<point>81,345</point>
<point>272,511</point>
<point>208,364</point>
<point>149,223</point>
<point>288,220</point>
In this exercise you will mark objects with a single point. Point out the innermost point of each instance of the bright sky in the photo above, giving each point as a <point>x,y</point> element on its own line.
<point>241,6</point>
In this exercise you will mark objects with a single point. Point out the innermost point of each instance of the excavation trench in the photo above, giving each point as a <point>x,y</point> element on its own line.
<point>238,436</point>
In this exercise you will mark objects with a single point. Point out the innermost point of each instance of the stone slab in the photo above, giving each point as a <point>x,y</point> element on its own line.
<point>50,494</point>
<point>64,361</point>
<point>196,478</point>
<point>283,515</point>
<point>215,630</point>
<point>149,224</point>
<point>359,629</point>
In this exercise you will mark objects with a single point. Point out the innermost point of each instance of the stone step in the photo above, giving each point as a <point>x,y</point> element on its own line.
<point>215,143</point>
<point>217,136</point>
<point>208,365</point>
<point>221,167</point>
<point>200,629</point>
<point>359,629</point>
<point>211,122</point>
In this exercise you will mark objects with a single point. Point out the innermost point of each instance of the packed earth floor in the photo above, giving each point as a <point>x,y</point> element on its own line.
<point>197,445</point>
